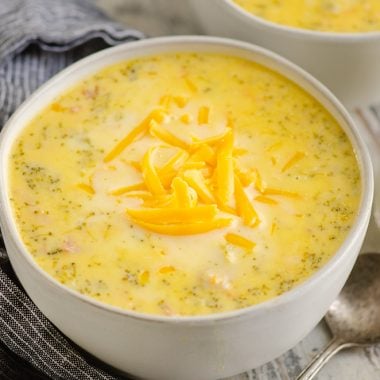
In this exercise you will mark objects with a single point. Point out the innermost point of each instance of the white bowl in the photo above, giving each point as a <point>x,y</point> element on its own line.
<point>347,63</point>
<point>205,347</point>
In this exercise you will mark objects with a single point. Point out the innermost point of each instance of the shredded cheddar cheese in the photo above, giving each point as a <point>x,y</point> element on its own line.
<point>209,140</point>
<point>204,153</point>
<point>197,181</point>
<point>144,277</point>
<point>87,188</point>
<point>167,269</point>
<point>175,160</point>
<point>293,160</point>
<point>225,170</point>
<point>185,228</point>
<point>244,207</point>
<point>284,193</point>
<point>167,137</point>
<point>180,101</point>
<point>184,199</point>
<point>57,107</point>
<point>174,215</point>
<point>184,195</point>
<point>185,118</point>
<point>180,184</point>
<point>239,241</point>
<point>127,189</point>
<point>190,85</point>
<point>151,178</point>
<point>267,200</point>
<point>155,115</point>
<point>165,101</point>
<point>203,115</point>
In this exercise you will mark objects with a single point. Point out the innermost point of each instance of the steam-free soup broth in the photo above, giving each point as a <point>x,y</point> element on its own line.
<point>183,184</point>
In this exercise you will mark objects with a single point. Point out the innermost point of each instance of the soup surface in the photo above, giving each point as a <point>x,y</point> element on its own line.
<point>183,184</point>
<point>343,16</point>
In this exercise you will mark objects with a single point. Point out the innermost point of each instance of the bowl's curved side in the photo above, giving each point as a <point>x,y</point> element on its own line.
<point>159,350</point>
<point>193,347</point>
<point>347,64</point>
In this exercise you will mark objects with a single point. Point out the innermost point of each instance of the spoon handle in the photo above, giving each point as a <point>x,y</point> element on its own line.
<point>321,358</point>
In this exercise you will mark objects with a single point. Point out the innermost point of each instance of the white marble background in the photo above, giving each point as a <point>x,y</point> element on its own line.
<point>170,17</point>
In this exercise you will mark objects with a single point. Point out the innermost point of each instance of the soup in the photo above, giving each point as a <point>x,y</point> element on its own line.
<point>343,16</point>
<point>183,184</point>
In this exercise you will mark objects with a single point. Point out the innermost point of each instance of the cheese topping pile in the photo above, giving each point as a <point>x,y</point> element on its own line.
<point>200,187</point>
<point>342,16</point>
<point>183,184</point>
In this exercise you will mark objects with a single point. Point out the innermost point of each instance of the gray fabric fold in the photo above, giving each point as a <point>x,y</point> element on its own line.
<point>55,25</point>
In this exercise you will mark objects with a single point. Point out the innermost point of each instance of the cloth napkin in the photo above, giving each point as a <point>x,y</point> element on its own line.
<point>37,39</point>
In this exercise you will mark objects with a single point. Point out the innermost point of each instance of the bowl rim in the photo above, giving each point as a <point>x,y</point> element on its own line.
<point>326,36</point>
<point>9,225</point>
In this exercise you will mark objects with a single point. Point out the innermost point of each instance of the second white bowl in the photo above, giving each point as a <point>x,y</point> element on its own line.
<point>347,63</point>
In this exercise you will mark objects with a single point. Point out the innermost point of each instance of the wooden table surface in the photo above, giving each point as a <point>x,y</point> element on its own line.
<point>173,17</point>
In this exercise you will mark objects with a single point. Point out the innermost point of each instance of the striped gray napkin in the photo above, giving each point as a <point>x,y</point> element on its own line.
<point>37,39</point>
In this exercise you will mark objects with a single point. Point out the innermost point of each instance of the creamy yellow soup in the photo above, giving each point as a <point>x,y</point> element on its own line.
<point>183,184</point>
<point>343,16</point>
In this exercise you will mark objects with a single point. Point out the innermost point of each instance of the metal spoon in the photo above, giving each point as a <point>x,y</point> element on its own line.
<point>354,317</point>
